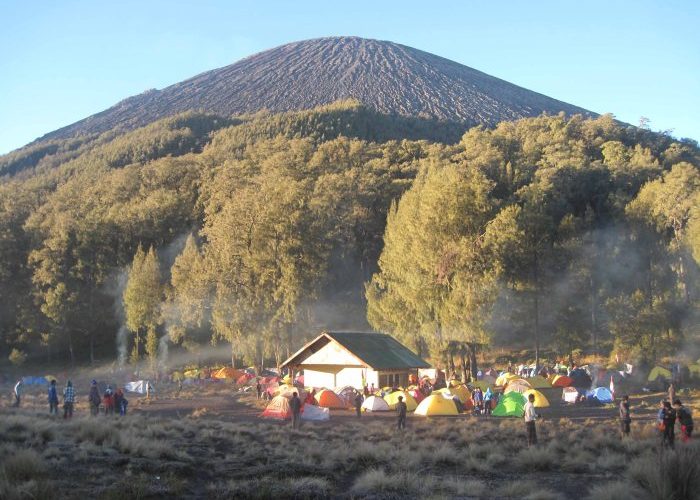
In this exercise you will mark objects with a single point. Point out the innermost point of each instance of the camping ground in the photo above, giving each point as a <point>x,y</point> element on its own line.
<point>209,443</point>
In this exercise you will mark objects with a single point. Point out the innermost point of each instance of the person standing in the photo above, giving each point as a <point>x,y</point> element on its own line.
<point>358,404</point>
<point>108,400</point>
<point>258,389</point>
<point>94,399</point>
<point>625,418</point>
<point>17,392</point>
<point>685,418</point>
<point>295,403</point>
<point>68,400</point>
<point>488,395</point>
<point>530,417</point>
<point>401,411</point>
<point>667,424</point>
<point>53,398</point>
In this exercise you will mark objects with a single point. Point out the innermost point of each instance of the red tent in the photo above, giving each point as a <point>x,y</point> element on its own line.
<point>329,399</point>
<point>562,381</point>
<point>243,379</point>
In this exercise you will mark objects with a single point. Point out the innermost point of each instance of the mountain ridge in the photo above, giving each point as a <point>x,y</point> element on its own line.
<point>389,77</point>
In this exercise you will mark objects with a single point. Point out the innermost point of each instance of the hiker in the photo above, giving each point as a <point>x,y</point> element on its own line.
<point>667,423</point>
<point>120,402</point>
<point>17,393</point>
<point>685,418</point>
<point>94,399</point>
<point>53,399</point>
<point>295,403</point>
<point>530,417</point>
<point>625,418</point>
<point>68,400</point>
<point>108,400</point>
<point>401,411</point>
<point>258,389</point>
<point>477,399</point>
<point>488,395</point>
<point>358,404</point>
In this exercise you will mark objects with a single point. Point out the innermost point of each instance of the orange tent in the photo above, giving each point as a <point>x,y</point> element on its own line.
<point>279,408</point>
<point>562,381</point>
<point>228,372</point>
<point>329,399</point>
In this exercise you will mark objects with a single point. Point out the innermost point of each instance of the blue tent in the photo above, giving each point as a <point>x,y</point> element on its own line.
<point>602,394</point>
<point>34,381</point>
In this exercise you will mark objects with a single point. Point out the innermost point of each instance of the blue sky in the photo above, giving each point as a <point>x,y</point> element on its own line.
<point>62,61</point>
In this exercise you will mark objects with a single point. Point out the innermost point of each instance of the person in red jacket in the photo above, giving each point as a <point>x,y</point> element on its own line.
<point>108,401</point>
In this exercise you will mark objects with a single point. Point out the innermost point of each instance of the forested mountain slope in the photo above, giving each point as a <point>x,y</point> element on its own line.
<point>257,231</point>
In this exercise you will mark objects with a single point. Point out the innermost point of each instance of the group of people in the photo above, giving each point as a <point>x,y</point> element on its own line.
<point>113,402</point>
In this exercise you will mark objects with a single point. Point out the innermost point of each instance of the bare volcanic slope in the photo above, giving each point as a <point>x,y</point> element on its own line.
<point>386,76</point>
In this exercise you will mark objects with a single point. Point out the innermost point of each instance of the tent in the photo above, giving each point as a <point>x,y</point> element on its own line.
<point>417,395</point>
<point>481,384</point>
<point>288,391</point>
<point>504,378</point>
<point>659,372</point>
<point>436,404</point>
<point>227,373</point>
<point>562,381</point>
<point>393,399</point>
<point>602,394</point>
<point>511,404</point>
<point>329,399</point>
<point>34,380</point>
<point>569,394</point>
<point>347,394</point>
<point>315,413</point>
<point>581,379</point>
<point>375,403</point>
<point>243,379</point>
<point>539,382</point>
<point>194,373</point>
<point>279,409</point>
<point>540,399</point>
<point>138,386</point>
<point>517,385</point>
<point>461,391</point>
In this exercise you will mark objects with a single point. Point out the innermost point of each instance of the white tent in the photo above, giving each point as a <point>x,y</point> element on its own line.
<point>569,394</point>
<point>138,386</point>
<point>375,403</point>
<point>315,413</point>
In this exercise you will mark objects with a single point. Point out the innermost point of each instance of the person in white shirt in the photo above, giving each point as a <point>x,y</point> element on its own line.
<point>530,417</point>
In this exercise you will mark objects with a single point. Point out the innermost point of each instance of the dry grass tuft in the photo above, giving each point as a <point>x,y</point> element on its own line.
<point>669,474</point>
<point>535,459</point>
<point>618,490</point>
<point>376,482</point>
<point>24,465</point>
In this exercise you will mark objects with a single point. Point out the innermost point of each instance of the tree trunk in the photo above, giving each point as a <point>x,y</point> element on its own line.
<point>463,362</point>
<point>70,349</point>
<point>233,355</point>
<point>472,361</point>
<point>92,348</point>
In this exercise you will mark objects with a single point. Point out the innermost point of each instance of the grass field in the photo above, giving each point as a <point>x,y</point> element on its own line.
<point>210,444</point>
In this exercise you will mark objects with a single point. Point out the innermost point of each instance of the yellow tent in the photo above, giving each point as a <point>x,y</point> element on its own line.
<point>436,404</point>
<point>393,399</point>
<point>517,385</point>
<point>227,372</point>
<point>461,391</point>
<point>481,384</point>
<point>177,376</point>
<point>659,372</point>
<point>539,382</point>
<point>540,400</point>
<point>192,373</point>
<point>505,378</point>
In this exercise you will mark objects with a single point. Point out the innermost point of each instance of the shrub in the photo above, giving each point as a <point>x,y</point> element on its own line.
<point>671,474</point>
<point>617,490</point>
<point>534,458</point>
<point>377,482</point>
<point>24,465</point>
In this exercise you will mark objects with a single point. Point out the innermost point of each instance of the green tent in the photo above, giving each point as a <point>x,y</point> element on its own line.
<point>511,404</point>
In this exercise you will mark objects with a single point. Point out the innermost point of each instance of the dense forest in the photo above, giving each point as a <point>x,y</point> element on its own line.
<point>254,232</point>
